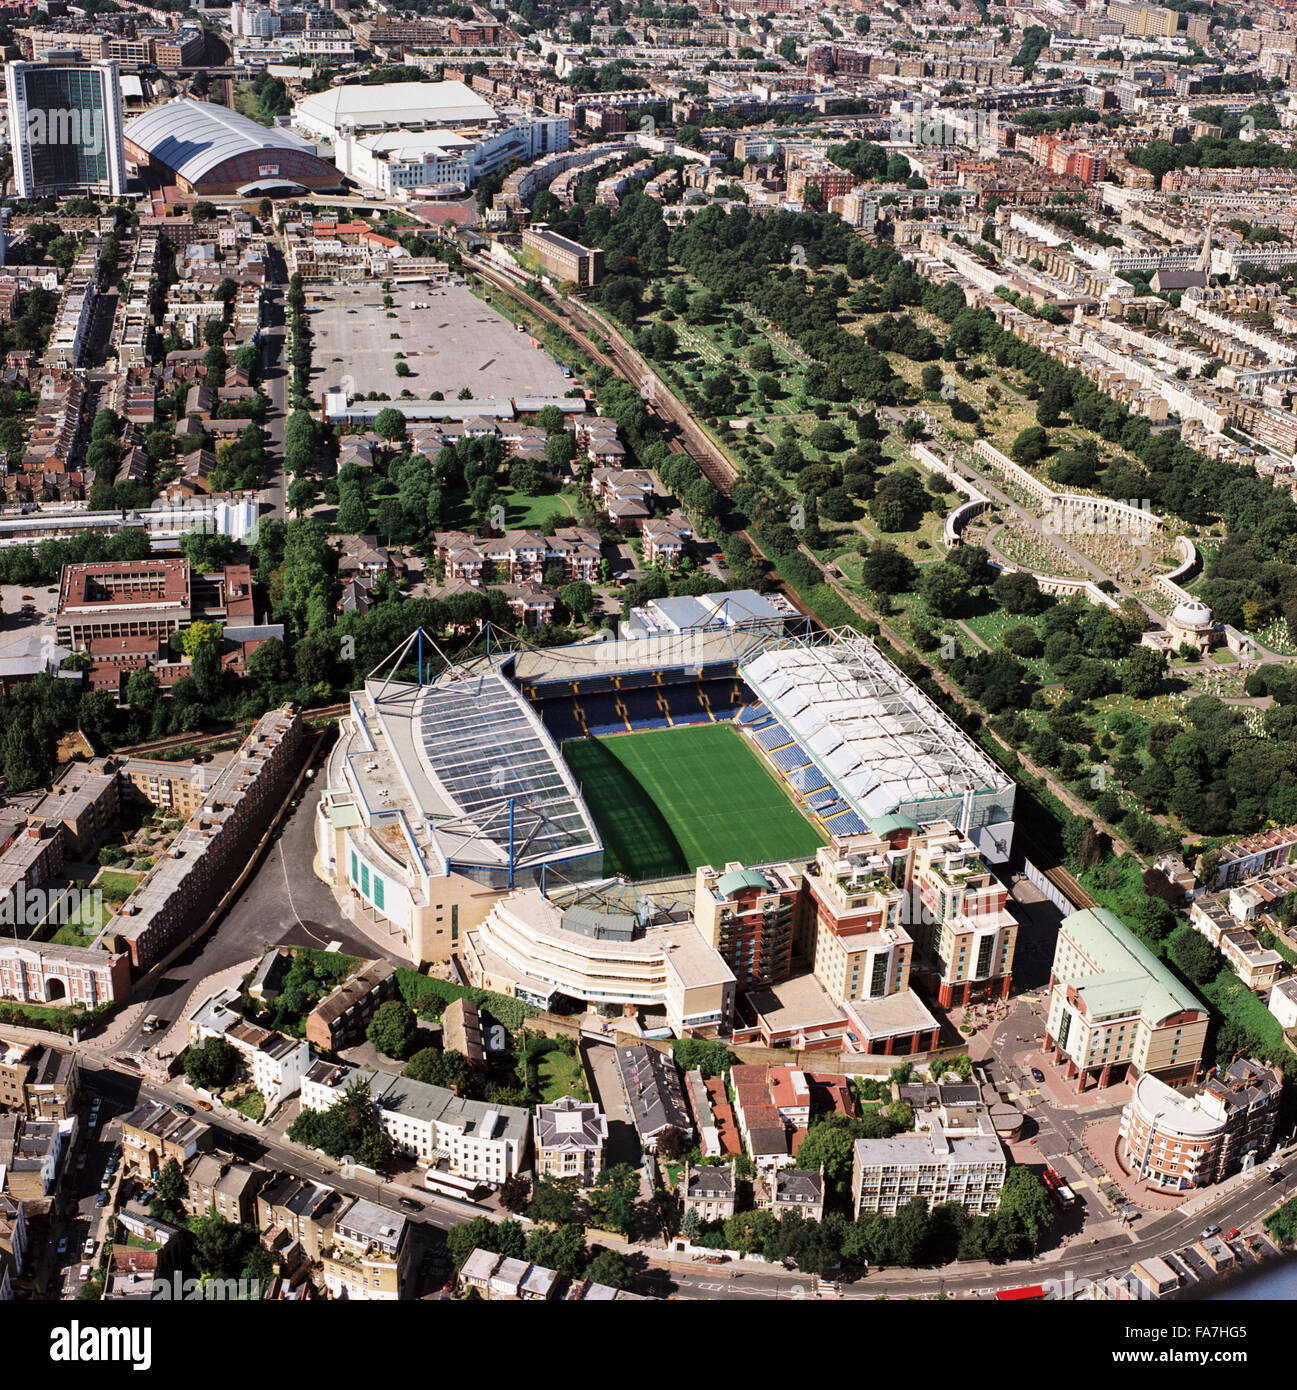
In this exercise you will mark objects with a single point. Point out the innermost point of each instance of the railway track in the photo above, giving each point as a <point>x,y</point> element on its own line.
<point>162,745</point>
<point>674,422</point>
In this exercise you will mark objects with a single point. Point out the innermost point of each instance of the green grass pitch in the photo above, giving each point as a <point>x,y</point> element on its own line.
<point>667,800</point>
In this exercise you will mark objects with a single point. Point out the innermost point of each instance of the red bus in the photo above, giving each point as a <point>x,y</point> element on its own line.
<point>1031,1293</point>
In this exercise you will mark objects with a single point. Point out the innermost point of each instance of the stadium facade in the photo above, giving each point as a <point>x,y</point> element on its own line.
<point>444,796</point>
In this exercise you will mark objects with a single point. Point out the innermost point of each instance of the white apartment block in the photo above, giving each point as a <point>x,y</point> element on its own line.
<point>888,1173</point>
<point>484,1143</point>
<point>275,1063</point>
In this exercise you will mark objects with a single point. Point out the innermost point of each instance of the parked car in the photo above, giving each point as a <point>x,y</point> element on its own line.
<point>1038,1076</point>
<point>1209,1231</point>
<point>182,1109</point>
<point>63,1245</point>
<point>204,1105</point>
<point>88,1248</point>
<point>410,1204</point>
<point>1232,1234</point>
<point>1276,1176</point>
<point>101,1200</point>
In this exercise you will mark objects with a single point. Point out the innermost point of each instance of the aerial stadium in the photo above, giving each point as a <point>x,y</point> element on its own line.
<point>210,150</point>
<point>639,758</point>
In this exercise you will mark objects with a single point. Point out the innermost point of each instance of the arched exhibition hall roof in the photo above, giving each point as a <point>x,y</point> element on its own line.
<point>192,138</point>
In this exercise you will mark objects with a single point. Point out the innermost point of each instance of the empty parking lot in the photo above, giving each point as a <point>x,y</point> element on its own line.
<point>456,342</point>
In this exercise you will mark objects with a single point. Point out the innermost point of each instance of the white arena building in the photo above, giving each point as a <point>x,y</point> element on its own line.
<point>424,135</point>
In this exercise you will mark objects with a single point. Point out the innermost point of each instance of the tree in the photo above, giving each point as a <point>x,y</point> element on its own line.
<point>477,1234</point>
<point>1142,673</point>
<point>560,450</point>
<point>944,588</point>
<point>827,438</point>
<point>1022,640</point>
<point>578,598</point>
<point>390,423</point>
<point>393,1028</point>
<point>611,1269</point>
<point>1018,592</point>
<point>449,1069</point>
<point>561,1248</point>
<point>612,1199</point>
<point>353,514</point>
<point>830,1142</point>
<point>1196,956</point>
<point>672,1142</point>
<point>302,495</point>
<point>198,635</point>
<point>1025,1199</point>
<point>526,477</point>
<point>749,1232</point>
<point>218,1248</point>
<point>142,690</point>
<point>553,1200</point>
<point>210,1064</point>
<point>389,519</point>
<point>170,1188</point>
<point>701,1054</point>
<point>515,1194</point>
<point>1030,446</point>
<point>887,570</point>
<point>1152,917</point>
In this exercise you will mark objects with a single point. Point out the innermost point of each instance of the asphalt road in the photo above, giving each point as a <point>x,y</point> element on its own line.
<point>283,903</point>
<point>274,377</point>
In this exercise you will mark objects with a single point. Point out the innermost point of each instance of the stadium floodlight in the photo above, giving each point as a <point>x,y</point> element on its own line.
<point>393,661</point>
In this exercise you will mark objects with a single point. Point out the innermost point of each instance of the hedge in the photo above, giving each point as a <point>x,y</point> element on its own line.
<point>54,1019</point>
<point>417,990</point>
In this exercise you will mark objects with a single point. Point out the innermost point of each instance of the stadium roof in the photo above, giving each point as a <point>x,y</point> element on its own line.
<point>193,137</point>
<point>482,770</point>
<point>395,104</point>
<point>622,656</point>
<point>883,742</point>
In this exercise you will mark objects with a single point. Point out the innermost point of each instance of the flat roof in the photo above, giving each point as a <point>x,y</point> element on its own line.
<point>395,103</point>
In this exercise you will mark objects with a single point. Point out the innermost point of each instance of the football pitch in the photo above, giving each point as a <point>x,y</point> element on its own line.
<point>667,800</point>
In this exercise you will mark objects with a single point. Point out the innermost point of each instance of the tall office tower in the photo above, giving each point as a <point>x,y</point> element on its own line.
<point>65,126</point>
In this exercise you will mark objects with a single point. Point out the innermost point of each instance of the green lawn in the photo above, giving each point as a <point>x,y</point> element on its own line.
<point>519,509</point>
<point>252,1104</point>
<point>560,1075</point>
<point>81,927</point>
<point>668,800</point>
<point>115,886</point>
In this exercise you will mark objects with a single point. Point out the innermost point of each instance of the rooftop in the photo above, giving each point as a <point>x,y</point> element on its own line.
<point>884,743</point>
<point>193,137</point>
<point>1124,976</point>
